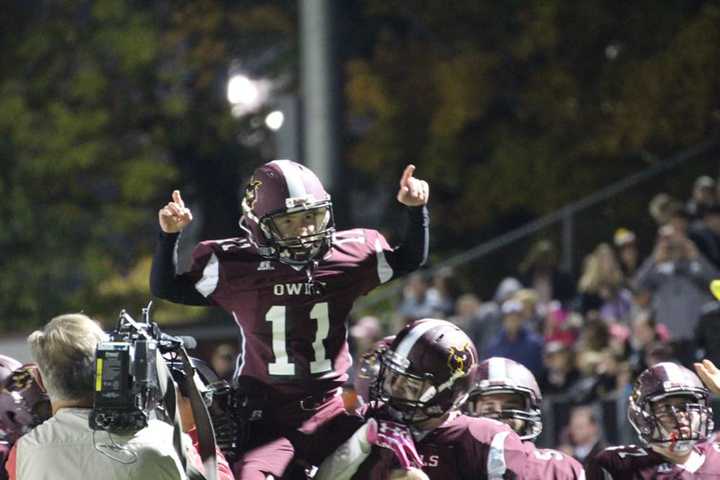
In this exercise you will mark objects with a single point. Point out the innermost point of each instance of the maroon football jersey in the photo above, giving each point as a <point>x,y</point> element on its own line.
<point>641,463</point>
<point>547,463</point>
<point>293,329</point>
<point>463,448</point>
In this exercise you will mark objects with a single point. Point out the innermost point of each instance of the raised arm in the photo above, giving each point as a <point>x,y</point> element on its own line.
<point>165,283</point>
<point>413,251</point>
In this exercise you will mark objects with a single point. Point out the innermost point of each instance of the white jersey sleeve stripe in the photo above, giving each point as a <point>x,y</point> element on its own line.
<point>384,270</point>
<point>496,464</point>
<point>240,360</point>
<point>211,276</point>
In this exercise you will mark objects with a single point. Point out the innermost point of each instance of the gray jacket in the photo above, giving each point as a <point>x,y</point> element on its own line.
<point>679,290</point>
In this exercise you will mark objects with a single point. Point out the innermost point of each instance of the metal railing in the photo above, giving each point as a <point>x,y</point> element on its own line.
<point>564,215</point>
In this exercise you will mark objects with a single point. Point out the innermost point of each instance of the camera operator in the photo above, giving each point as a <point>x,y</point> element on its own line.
<point>65,446</point>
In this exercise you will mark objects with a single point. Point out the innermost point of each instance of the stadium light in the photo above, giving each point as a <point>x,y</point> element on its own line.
<point>275,120</point>
<point>245,94</point>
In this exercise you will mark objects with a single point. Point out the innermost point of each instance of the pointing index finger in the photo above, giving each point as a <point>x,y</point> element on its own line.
<point>177,198</point>
<point>407,175</point>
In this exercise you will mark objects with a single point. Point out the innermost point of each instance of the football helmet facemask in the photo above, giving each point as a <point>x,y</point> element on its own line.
<point>670,407</point>
<point>287,213</point>
<point>498,375</point>
<point>368,370</point>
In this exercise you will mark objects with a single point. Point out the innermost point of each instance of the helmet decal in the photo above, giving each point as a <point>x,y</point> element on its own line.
<point>459,360</point>
<point>251,193</point>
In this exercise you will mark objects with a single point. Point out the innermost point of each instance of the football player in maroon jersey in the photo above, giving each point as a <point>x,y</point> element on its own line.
<point>425,375</point>
<point>507,391</point>
<point>669,409</point>
<point>289,282</point>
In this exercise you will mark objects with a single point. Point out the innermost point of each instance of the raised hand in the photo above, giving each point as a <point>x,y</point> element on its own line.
<point>709,374</point>
<point>396,437</point>
<point>174,216</point>
<point>413,192</point>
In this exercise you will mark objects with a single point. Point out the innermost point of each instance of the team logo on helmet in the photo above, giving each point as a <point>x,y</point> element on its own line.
<point>460,360</point>
<point>20,380</point>
<point>251,193</point>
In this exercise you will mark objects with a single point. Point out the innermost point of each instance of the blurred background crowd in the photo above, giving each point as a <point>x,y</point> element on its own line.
<point>587,337</point>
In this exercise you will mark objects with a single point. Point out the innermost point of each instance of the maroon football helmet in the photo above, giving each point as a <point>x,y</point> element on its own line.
<point>670,406</point>
<point>7,366</point>
<point>280,195</point>
<point>498,375</point>
<point>427,371</point>
<point>23,403</point>
<point>368,369</point>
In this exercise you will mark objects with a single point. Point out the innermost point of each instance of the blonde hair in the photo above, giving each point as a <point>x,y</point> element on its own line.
<point>601,270</point>
<point>65,353</point>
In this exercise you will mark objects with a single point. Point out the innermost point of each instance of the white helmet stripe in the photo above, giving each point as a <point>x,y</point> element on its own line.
<point>496,369</point>
<point>296,188</point>
<point>414,335</point>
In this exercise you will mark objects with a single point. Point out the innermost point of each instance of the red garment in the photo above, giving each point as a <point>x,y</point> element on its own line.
<point>224,472</point>
<point>11,462</point>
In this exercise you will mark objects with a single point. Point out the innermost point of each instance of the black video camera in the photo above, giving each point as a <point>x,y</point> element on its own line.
<point>127,384</point>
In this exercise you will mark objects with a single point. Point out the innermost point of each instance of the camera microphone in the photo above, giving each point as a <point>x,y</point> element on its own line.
<point>170,342</point>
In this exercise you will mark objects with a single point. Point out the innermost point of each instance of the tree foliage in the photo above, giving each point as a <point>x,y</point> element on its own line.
<point>525,106</point>
<point>105,106</point>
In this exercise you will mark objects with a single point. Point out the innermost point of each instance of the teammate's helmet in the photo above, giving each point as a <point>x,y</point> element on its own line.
<point>427,371</point>
<point>279,193</point>
<point>502,375</point>
<point>7,366</point>
<point>23,403</point>
<point>368,369</point>
<point>670,406</point>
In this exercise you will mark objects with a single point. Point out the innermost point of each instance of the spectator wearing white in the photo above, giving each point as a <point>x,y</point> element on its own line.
<point>65,446</point>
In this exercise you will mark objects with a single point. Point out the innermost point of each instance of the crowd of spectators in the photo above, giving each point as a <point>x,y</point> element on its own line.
<point>586,338</point>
